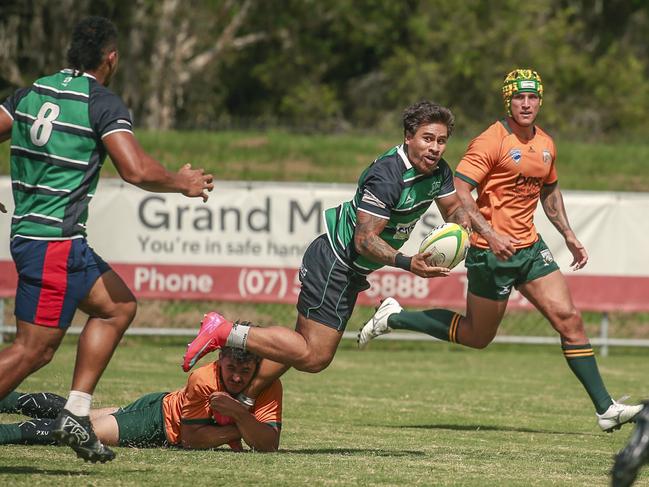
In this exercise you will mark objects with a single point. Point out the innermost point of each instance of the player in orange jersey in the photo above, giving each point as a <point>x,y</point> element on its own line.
<point>512,166</point>
<point>203,414</point>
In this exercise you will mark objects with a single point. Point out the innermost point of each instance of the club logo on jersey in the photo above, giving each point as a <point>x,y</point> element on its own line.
<point>434,188</point>
<point>403,230</point>
<point>547,257</point>
<point>547,157</point>
<point>66,80</point>
<point>516,155</point>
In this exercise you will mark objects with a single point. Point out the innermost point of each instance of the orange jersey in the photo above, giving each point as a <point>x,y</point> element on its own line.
<point>192,403</point>
<point>509,175</point>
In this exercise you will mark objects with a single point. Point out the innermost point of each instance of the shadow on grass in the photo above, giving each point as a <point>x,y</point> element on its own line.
<point>482,427</point>
<point>42,471</point>
<point>353,451</point>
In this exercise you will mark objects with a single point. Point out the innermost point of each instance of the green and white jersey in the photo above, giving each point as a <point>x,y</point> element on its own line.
<point>390,188</point>
<point>57,152</point>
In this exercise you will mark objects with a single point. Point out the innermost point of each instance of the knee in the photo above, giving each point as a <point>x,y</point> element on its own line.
<point>35,355</point>
<point>569,322</point>
<point>125,312</point>
<point>313,364</point>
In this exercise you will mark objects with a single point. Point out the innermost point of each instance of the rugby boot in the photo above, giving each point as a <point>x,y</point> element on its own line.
<point>40,404</point>
<point>635,454</point>
<point>616,415</point>
<point>77,433</point>
<point>378,323</point>
<point>212,335</point>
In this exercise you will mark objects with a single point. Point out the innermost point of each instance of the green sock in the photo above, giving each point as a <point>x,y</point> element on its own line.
<point>439,323</point>
<point>581,360</point>
<point>8,404</point>
<point>10,434</point>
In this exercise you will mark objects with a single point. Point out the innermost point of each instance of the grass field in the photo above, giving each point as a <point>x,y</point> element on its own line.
<point>613,165</point>
<point>398,414</point>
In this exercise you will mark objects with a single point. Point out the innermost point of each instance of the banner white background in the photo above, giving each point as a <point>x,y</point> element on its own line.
<point>266,226</point>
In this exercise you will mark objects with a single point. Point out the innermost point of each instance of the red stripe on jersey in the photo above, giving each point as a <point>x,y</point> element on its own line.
<point>55,283</point>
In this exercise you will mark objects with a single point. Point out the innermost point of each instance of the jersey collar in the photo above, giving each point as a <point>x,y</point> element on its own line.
<point>403,156</point>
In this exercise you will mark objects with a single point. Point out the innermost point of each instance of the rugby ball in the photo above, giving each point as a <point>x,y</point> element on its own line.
<point>448,244</point>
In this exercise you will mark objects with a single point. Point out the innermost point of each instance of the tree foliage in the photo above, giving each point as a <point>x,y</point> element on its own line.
<point>350,63</point>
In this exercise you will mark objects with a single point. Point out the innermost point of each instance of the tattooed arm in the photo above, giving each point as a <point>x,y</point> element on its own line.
<point>501,245</point>
<point>369,244</point>
<point>453,211</point>
<point>552,203</point>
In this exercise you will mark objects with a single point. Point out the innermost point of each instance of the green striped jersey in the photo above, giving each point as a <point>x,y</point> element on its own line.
<point>390,188</point>
<point>57,151</point>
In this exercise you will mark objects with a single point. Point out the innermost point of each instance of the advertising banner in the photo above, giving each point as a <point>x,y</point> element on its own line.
<point>246,244</point>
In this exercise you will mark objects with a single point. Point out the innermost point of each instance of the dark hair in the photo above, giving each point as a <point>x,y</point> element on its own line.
<point>425,112</point>
<point>239,356</point>
<point>92,37</point>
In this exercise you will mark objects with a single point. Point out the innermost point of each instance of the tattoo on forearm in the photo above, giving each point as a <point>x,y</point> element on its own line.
<point>370,245</point>
<point>378,250</point>
<point>459,215</point>
<point>554,209</point>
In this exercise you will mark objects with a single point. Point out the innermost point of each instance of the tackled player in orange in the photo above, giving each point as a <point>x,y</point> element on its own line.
<point>512,166</point>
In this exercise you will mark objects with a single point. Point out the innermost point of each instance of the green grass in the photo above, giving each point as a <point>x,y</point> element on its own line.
<point>283,156</point>
<point>399,414</point>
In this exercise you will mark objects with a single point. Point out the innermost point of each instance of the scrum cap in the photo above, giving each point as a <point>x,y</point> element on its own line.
<point>521,81</point>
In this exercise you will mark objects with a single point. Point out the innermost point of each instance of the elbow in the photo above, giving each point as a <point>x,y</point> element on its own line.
<point>134,178</point>
<point>359,244</point>
<point>272,448</point>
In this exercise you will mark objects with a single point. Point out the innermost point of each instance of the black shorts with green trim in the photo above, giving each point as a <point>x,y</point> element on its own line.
<point>329,287</point>
<point>141,423</point>
<point>493,279</point>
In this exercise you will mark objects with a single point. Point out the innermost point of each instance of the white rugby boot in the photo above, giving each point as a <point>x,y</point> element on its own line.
<point>617,414</point>
<point>378,323</point>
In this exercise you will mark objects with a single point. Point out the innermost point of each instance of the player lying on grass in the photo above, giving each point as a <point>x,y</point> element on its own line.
<point>203,414</point>
<point>512,166</point>
<point>362,235</point>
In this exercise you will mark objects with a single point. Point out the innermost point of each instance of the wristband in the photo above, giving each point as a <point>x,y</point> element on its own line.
<point>402,262</point>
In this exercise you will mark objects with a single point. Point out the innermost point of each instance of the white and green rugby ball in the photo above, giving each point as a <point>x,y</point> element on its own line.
<point>447,243</point>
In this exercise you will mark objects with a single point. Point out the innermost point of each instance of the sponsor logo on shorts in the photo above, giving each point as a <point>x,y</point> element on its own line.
<point>504,290</point>
<point>516,155</point>
<point>546,255</point>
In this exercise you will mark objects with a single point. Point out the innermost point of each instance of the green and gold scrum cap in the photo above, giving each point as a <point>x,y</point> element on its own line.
<point>521,81</point>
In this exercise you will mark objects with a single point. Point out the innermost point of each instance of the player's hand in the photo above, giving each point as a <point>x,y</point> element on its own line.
<point>226,405</point>
<point>578,251</point>
<point>198,183</point>
<point>420,267</point>
<point>501,245</point>
<point>2,208</point>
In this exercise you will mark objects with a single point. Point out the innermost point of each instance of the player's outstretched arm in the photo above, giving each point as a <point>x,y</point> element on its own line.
<point>501,245</point>
<point>369,244</point>
<point>552,202</point>
<point>259,436</point>
<point>202,436</point>
<point>453,211</point>
<point>135,166</point>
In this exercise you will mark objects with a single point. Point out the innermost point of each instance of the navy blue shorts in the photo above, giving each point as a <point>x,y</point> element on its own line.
<point>329,288</point>
<point>54,276</point>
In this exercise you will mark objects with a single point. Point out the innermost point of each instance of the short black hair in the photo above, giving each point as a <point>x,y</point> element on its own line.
<point>92,37</point>
<point>425,112</point>
<point>239,356</point>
